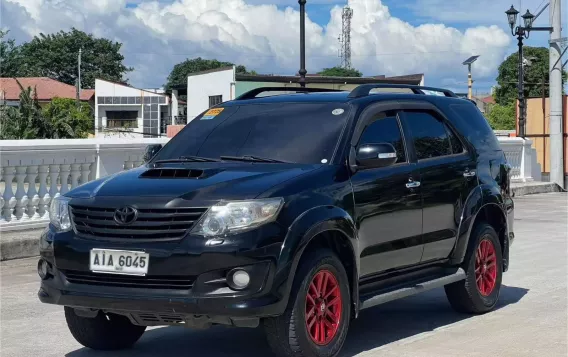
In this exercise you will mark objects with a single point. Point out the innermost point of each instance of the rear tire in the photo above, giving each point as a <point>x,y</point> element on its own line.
<point>483,264</point>
<point>105,332</point>
<point>320,296</point>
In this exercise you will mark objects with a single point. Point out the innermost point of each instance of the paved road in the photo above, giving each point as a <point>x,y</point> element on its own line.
<point>531,319</point>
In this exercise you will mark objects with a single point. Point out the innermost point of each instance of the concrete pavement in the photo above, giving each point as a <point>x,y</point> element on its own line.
<point>531,319</point>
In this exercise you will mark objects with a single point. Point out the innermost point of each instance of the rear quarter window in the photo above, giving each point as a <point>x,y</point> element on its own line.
<point>472,125</point>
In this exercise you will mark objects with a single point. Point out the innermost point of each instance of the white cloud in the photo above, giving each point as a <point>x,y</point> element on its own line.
<point>158,34</point>
<point>479,11</point>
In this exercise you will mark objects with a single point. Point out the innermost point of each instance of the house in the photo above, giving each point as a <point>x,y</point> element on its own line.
<point>44,88</point>
<point>122,110</point>
<point>209,88</point>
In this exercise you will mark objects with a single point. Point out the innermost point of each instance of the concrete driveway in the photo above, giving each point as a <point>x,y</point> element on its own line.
<point>531,319</point>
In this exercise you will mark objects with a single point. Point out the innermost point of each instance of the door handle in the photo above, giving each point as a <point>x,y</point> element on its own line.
<point>413,184</point>
<point>468,173</point>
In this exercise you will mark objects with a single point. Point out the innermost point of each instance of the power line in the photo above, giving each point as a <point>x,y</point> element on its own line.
<point>538,7</point>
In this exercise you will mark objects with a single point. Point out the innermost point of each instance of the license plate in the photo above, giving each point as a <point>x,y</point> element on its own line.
<point>119,262</point>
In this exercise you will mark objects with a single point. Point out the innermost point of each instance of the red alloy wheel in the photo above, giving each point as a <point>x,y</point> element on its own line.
<point>323,308</point>
<point>485,267</point>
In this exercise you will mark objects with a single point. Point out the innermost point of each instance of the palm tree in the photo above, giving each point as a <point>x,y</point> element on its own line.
<point>29,121</point>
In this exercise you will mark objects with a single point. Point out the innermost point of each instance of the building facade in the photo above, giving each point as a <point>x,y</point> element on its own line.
<point>124,111</point>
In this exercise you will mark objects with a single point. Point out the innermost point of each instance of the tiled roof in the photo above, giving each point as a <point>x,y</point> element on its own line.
<point>488,100</point>
<point>46,88</point>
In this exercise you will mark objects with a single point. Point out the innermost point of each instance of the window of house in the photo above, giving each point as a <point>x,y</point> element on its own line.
<point>385,129</point>
<point>215,100</point>
<point>429,134</point>
<point>122,119</point>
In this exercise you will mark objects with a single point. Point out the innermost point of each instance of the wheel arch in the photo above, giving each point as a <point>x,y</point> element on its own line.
<point>322,227</point>
<point>485,205</point>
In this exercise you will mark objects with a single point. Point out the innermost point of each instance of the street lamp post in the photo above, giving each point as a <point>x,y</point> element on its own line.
<point>468,62</point>
<point>522,32</point>
<point>303,70</point>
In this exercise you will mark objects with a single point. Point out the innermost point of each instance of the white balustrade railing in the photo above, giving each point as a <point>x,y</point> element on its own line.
<point>522,158</point>
<point>33,172</point>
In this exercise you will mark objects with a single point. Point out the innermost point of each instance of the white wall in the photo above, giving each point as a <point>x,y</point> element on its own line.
<point>201,87</point>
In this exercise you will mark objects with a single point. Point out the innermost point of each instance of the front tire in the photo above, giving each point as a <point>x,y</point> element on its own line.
<point>317,318</point>
<point>483,264</point>
<point>105,332</point>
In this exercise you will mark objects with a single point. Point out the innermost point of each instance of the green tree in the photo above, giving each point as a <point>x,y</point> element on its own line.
<point>506,91</point>
<point>340,72</point>
<point>55,56</point>
<point>9,56</point>
<point>60,119</point>
<point>502,117</point>
<point>67,121</point>
<point>182,70</point>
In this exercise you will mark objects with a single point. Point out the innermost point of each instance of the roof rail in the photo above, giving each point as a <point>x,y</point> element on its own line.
<point>365,89</point>
<point>253,93</point>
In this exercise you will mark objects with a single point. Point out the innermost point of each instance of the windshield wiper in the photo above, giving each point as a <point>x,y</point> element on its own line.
<point>187,159</point>
<point>250,158</point>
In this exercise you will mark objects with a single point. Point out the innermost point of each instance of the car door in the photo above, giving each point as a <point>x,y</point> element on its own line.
<point>447,175</point>
<point>388,209</point>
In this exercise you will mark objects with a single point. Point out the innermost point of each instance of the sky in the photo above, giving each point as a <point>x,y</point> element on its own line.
<point>389,37</point>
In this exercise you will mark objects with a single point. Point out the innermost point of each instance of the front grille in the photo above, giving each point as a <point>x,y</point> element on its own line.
<point>150,225</point>
<point>167,282</point>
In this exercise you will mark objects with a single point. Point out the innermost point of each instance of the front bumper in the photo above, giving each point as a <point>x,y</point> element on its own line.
<point>208,294</point>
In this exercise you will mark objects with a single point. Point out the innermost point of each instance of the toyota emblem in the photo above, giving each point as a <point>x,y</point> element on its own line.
<point>125,215</point>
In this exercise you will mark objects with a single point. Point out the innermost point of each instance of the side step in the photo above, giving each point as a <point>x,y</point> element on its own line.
<point>416,288</point>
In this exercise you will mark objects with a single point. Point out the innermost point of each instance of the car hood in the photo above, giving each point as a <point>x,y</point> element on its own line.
<point>195,181</point>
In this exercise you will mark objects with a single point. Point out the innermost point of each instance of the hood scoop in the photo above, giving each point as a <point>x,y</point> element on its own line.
<point>168,173</point>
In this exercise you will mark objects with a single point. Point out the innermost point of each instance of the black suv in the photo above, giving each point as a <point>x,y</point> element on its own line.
<point>291,210</point>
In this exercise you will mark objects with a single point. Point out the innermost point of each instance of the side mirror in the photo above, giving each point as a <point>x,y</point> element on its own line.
<point>151,151</point>
<point>372,156</point>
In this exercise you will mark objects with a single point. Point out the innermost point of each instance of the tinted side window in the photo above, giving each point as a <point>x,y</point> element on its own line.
<point>470,123</point>
<point>385,130</point>
<point>457,147</point>
<point>429,135</point>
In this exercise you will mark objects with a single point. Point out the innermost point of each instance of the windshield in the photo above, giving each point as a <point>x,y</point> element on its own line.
<point>305,133</point>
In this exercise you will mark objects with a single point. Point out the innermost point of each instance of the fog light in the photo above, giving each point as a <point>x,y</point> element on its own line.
<point>43,269</point>
<point>238,279</point>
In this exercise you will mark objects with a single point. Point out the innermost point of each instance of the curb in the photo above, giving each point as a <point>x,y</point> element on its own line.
<point>19,244</point>
<point>535,188</point>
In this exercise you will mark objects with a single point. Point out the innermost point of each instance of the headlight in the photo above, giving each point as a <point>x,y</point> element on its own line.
<point>59,214</point>
<point>237,216</point>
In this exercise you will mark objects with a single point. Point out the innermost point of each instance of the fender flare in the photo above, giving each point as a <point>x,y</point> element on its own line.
<point>480,198</point>
<point>302,231</point>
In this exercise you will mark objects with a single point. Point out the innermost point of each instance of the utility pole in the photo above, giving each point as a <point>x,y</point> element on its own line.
<point>468,62</point>
<point>469,83</point>
<point>303,70</point>
<point>79,78</point>
<point>556,136</point>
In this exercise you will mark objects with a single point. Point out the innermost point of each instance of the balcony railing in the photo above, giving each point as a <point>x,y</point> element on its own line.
<point>33,172</point>
<point>522,158</point>
<point>177,120</point>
